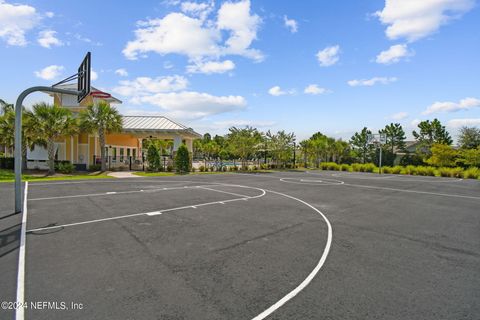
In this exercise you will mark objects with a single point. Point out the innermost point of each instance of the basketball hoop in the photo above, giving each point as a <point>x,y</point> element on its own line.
<point>100,95</point>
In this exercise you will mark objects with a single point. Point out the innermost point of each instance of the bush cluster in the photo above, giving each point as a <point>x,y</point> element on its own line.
<point>457,172</point>
<point>64,167</point>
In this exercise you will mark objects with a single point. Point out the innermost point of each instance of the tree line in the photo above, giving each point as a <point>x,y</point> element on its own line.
<point>44,124</point>
<point>432,145</point>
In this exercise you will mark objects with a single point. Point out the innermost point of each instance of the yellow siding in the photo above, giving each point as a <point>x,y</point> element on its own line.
<point>75,148</point>
<point>83,138</point>
<point>124,140</point>
<point>68,148</point>
<point>91,149</point>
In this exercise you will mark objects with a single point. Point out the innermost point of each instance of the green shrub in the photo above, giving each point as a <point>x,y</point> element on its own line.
<point>212,168</point>
<point>193,169</point>
<point>333,166</point>
<point>94,167</point>
<point>452,172</point>
<point>324,165</point>
<point>153,157</point>
<point>369,167</point>
<point>345,167</point>
<point>412,170</point>
<point>7,163</point>
<point>169,168</point>
<point>471,173</point>
<point>202,168</point>
<point>356,167</point>
<point>397,169</point>
<point>264,166</point>
<point>182,160</point>
<point>224,168</point>
<point>457,172</point>
<point>65,167</point>
<point>387,169</point>
<point>255,168</point>
<point>445,172</point>
<point>425,171</point>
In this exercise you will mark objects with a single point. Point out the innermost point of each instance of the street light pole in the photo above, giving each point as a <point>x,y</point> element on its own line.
<point>380,162</point>
<point>294,154</point>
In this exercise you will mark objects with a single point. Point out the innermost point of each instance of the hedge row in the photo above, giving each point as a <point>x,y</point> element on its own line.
<point>470,173</point>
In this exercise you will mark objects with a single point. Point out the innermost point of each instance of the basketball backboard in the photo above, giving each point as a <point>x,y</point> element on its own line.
<point>84,77</point>
<point>376,138</point>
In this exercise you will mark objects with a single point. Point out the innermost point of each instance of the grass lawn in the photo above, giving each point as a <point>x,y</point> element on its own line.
<point>9,176</point>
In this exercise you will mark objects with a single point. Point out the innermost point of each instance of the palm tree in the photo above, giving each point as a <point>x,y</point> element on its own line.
<point>29,132</point>
<point>102,119</point>
<point>5,107</point>
<point>51,123</point>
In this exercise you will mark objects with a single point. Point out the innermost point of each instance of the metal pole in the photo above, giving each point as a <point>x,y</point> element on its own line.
<point>18,138</point>
<point>380,162</point>
<point>294,153</point>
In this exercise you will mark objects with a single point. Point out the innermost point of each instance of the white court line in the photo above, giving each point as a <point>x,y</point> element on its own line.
<point>395,177</point>
<point>86,222</point>
<point>324,182</point>
<point>231,193</point>
<point>106,181</point>
<point>412,191</point>
<point>20,311</point>
<point>312,274</point>
<point>110,193</point>
<point>153,213</point>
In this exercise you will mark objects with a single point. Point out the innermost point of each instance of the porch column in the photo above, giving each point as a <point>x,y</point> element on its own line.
<point>177,141</point>
<point>189,143</point>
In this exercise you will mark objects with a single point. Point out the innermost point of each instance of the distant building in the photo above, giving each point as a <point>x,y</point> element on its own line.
<point>83,149</point>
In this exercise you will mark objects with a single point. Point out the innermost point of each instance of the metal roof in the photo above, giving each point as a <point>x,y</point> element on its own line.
<point>153,123</point>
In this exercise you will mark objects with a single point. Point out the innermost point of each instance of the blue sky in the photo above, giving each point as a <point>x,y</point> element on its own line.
<point>302,66</point>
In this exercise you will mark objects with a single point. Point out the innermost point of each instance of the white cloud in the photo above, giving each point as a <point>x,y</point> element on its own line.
<point>371,82</point>
<point>146,85</point>
<point>175,33</point>
<point>192,105</point>
<point>47,39</point>
<point>290,24</point>
<point>15,21</point>
<point>211,67</point>
<point>415,122</point>
<point>169,94</point>
<point>50,72</point>
<point>416,19</point>
<point>328,56</point>
<point>457,123</point>
<point>197,38</point>
<point>93,75</point>
<point>200,10</point>
<point>49,14</point>
<point>315,89</point>
<point>448,106</point>
<point>121,72</point>
<point>168,65</point>
<point>394,54</point>
<point>399,116</point>
<point>277,91</point>
<point>236,17</point>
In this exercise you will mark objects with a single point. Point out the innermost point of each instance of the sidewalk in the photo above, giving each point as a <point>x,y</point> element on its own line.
<point>122,174</point>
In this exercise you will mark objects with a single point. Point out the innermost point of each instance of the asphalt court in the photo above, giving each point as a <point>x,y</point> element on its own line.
<point>250,246</point>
